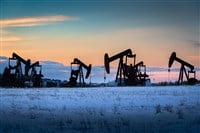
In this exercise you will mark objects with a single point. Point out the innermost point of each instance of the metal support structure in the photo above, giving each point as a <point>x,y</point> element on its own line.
<point>183,71</point>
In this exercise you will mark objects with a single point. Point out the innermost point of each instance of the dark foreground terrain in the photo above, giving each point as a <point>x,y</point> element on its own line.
<point>106,110</point>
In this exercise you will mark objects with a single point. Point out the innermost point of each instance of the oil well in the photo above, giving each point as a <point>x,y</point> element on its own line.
<point>127,74</point>
<point>78,74</point>
<point>22,73</point>
<point>188,73</point>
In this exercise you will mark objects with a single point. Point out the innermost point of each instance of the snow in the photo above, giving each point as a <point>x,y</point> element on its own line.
<point>102,109</point>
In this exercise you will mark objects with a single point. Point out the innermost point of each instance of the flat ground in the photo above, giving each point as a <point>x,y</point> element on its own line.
<point>109,109</point>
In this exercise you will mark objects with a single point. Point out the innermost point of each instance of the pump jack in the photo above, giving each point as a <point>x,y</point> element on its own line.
<point>131,74</point>
<point>34,76</point>
<point>78,73</point>
<point>183,69</point>
<point>120,56</point>
<point>17,78</point>
<point>134,74</point>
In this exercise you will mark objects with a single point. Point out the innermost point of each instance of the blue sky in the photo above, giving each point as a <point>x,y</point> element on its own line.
<point>64,30</point>
<point>129,12</point>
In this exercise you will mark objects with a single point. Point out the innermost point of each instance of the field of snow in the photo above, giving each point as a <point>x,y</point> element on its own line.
<point>109,109</point>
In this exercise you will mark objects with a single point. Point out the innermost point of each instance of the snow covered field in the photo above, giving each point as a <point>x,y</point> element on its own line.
<point>109,109</point>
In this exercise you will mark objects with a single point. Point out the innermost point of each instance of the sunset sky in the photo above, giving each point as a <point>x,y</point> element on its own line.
<point>62,30</point>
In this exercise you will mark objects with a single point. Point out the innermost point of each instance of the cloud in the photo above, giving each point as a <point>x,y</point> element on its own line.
<point>3,63</point>
<point>156,69</point>
<point>3,58</point>
<point>34,21</point>
<point>27,22</point>
<point>51,63</point>
<point>55,70</point>
<point>2,31</point>
<point>10,39</point>
<point>194,43</point>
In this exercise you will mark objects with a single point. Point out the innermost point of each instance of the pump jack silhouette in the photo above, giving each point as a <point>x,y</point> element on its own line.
<point>78,73</point>
<point>130,74</point>
<point>13,75</point>
<point>184,64</point>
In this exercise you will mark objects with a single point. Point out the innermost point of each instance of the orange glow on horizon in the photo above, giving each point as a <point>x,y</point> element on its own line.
<point>91,48</point>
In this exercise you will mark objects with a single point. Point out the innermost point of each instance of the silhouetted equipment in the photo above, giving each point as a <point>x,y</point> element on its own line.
<point>78,73</point>
<point>184,64</point>
<point>13,74</point>
<point>107,59</point>
<point>35,76</point>
<point>135,75</point>
<point>120,56</point>
<point>131,74</point>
